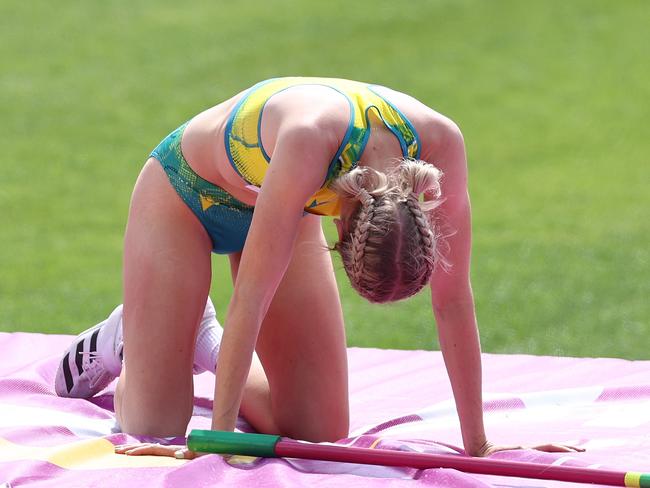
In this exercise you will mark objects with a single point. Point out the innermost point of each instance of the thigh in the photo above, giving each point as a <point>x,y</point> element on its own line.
<point>166,283</point>
<point>302,344</point>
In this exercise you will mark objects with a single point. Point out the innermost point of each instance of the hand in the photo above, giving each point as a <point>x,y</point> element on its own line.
<point>488,448</point>
<point>151,449</point>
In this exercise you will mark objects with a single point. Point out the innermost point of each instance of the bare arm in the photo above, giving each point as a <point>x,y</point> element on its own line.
<point>451,292</point>
<point>453,302</point>
<point>297,169</point>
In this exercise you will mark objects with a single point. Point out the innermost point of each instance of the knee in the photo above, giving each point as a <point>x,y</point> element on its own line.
<point>135,418</point>
<point>153,425</point>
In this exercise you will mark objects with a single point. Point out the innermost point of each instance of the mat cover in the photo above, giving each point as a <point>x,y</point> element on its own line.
<point>398,400</point>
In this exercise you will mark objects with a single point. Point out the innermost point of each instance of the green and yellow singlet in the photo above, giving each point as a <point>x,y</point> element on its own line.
<point>250,160</point>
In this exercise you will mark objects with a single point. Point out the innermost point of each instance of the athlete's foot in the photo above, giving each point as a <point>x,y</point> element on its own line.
<point>93,360</point>
<point>208,340</point>
<point>95,357</point>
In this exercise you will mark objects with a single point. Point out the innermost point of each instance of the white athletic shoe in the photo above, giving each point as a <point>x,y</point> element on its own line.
<point>93,360</point>
<point>95,357</point>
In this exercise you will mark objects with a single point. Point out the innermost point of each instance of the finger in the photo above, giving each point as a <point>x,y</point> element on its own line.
<point>558,448</point>
<point>143,451</point>
<point>185,453</point>
<point>572,448</point>
<point>125,447</point>
<point>151,450</point>
<point>139,450</point>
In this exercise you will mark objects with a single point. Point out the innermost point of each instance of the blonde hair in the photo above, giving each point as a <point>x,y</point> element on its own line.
<point>391,246</point>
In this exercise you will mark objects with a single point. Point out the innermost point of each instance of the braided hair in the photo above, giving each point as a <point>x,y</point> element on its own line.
<point>391,248</point>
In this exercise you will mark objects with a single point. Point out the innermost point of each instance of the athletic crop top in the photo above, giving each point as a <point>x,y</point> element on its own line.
<point>250,160</point>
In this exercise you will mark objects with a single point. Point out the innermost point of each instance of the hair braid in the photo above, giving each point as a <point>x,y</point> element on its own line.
<point>424,229</point>
<point>360,236</point>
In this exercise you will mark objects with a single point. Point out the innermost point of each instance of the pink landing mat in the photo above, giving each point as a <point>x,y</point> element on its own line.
<point>399,400</point>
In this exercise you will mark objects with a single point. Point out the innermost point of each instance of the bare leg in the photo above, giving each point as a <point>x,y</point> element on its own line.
<point>167,274</point>
<point>302,346</point>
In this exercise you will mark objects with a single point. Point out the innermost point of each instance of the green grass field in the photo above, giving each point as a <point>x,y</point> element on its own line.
<point>552,97</point>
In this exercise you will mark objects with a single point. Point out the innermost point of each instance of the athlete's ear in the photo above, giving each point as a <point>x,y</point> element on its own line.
<point>339,228</point>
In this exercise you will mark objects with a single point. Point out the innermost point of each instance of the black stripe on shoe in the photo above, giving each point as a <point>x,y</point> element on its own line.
<point>93,344</point>
<point>78,358</point>
<point>67,374</point>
